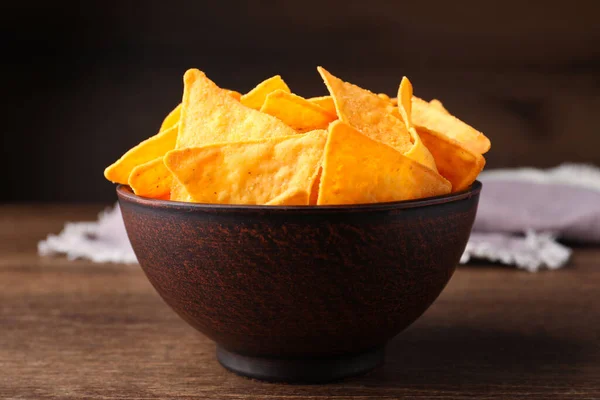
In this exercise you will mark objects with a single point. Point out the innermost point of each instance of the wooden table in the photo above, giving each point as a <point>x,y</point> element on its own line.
<point>73,329</point>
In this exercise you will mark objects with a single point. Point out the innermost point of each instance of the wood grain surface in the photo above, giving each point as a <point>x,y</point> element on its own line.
<point>73,329</point>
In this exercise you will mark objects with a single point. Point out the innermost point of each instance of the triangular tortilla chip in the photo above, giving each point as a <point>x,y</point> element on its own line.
<point>405,94</point>
<point>151,179</point>
<point>251,172</point>
<point>358,170</point>
<point>171,119</point>
<point>256,97</point>
<point>178,192</point>
<point>455,162</point>
<point>296,111</point>
<point>148,150</point>
<point>418,151</point>
<point>210,115</point>
<point>367,112</point>
<point>175,114</point>
<point>314,190</point>
<point>424,115</point>
<point>326,103</point>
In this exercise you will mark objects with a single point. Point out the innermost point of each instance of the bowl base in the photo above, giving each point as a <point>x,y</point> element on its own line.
<point>301,370</point>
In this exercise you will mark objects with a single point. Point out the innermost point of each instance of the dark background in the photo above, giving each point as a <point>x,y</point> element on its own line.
<point>82,83</point>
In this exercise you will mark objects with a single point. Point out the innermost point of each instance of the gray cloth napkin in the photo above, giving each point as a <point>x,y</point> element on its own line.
<point>521,215</point>
<point>523,212</point>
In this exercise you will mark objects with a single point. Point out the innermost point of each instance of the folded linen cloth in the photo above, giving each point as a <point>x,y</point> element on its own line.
<point>522,213</point>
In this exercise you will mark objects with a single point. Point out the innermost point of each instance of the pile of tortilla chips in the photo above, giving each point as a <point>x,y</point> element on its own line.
<point>273,147</point>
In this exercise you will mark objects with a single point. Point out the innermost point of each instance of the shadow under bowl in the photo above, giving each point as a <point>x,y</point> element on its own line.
<point>300,294</point>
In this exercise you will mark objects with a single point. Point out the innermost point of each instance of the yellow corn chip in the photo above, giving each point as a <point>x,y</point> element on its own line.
<point>455,162</point>
<point>424,115</point>
<point>296,111</point>
<point>295,197</point>
<point>405,94</point>
<point>384,96</point>
<point>314,190</point>
<point>234,94</point>
<point>171,119</point>
<point>178,192</point>
<point>252,172</point>
<point>148,150</point>
<point>151,179</point>
<point>368,113</point>
<point>357,169</point>
<point>256,97</point>
<point>175,114</point>
<point>418,151</point>
<point>210,115</point>
<point>326,103</point>
<point>438,105</point>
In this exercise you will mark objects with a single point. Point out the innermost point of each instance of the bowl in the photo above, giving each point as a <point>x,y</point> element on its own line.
<point>300,294</point>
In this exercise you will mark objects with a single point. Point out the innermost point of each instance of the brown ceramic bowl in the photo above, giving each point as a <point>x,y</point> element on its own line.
<point>300,294</point>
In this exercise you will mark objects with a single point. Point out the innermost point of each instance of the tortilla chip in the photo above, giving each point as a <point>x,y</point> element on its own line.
<point>426,116</point>
<point>420,153</point>
<point>358,170</point>
<point>454,161</point>
<point>438,105</point>
<point>148,150</point>
<point>256,97</point>
<point>171,119</point>
<point>384,96</point>
<point>291,198</point>
<point>296,111</point>
<point>174,115</point>
<point>210,115</point>
<point>178,192</point>
<point>314,189</point>
<point>251,172</point>
<point>151,179</point>
<point>326,103</point>
<point>405,94</point>
<point>234,94</point>
<point>368,113</point>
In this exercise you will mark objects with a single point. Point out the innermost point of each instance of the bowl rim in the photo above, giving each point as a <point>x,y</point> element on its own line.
<point>125,193</point>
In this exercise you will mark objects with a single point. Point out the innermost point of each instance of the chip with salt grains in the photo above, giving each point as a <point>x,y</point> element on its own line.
<point>296,111</point>
<point>151,179</point>
<point>251,172</point>
<point>367,112</point>
<point>148,150</point>
<point>424,115</point>
<point>210,115</point>
<point>256,97</point>
<point>357,170</point>
<point>218,146</point>
<point>173,117</point>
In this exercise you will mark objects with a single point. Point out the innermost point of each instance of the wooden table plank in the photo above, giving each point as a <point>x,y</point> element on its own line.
<point>90,331</point>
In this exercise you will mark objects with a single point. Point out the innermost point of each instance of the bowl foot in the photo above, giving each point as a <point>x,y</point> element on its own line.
<point>301,370</point>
